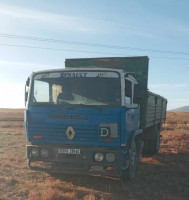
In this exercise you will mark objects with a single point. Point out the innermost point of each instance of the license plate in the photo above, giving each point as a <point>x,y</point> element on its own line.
<point>97,168</point>
<point>68,151</point>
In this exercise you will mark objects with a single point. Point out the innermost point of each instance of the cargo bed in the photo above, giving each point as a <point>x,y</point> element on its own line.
<point>156,109</point>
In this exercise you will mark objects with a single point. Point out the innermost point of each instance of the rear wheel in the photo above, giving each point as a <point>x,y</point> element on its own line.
<point>152,140</point>
<point>157,142</point>
<point>130,172</point>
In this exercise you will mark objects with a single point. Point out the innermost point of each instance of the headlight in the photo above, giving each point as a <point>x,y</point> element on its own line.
<point>99,157</point>
<point>44,153</point>
<point>35,152</point>
<point>110,157</point>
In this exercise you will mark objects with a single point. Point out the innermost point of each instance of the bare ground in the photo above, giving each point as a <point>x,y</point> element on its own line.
<point>164,176</point>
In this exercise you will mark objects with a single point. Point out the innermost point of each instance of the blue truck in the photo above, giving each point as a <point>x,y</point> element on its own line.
<point>95,116</point>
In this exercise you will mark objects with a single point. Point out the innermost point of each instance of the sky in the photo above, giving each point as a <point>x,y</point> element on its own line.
<point>40,34</point>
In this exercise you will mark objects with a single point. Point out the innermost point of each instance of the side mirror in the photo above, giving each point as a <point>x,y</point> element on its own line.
<point>28,82</point>
<point>26,96</point>
<point>138,94</point>
<point>26,89</point>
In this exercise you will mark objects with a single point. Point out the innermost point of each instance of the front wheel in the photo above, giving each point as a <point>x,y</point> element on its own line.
<point>130,172</point>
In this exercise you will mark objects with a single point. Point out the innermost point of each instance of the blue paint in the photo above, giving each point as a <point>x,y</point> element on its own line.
<point>132,123</point>
<point>53,130</point>
<point>51,123</point>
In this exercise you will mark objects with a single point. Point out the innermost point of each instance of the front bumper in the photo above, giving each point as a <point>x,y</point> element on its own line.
<point>82,163</point>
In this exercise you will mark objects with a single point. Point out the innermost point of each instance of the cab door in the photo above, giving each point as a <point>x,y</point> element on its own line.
<point>132,109</point>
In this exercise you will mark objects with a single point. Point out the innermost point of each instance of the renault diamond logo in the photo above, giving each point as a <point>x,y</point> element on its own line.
<point>70,133</point>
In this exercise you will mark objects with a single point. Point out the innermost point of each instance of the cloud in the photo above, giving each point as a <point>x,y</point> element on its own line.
<point>136,30</point>
<point>61,22</point>
<point>70,23</point>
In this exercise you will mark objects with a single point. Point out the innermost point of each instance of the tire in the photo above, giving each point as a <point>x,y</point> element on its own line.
<point>152,142</point>
<point>139,150</point>
<point>157,141</point>
<point>130,172</point>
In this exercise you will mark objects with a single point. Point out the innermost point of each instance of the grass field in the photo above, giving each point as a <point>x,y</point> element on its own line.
<point>164,176</point>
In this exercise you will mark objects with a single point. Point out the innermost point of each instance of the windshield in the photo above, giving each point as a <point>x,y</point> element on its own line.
<point>76,89</point>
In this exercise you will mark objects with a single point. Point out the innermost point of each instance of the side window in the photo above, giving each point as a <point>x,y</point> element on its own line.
<point>128,92</point>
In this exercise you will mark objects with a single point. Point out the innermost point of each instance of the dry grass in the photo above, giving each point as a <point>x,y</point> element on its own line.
<point>164,176</point>
<point>90,196</point>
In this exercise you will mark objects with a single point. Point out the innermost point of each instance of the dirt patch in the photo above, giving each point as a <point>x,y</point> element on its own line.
<point>164,176</point>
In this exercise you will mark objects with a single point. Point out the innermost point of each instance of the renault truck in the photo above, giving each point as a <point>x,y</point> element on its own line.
<point>94,116</point>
